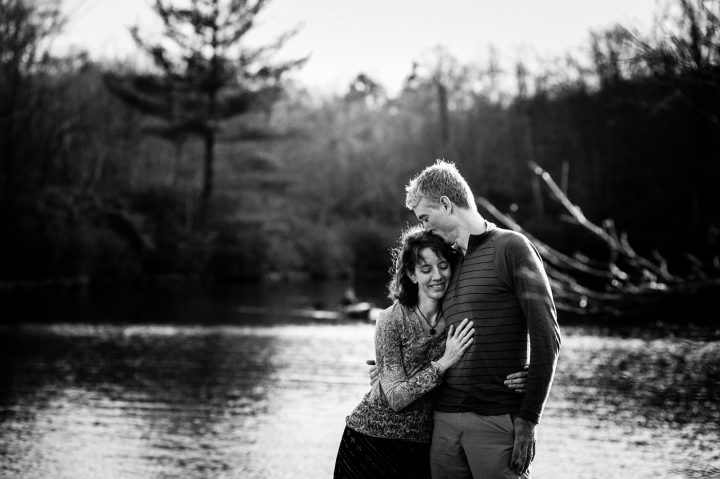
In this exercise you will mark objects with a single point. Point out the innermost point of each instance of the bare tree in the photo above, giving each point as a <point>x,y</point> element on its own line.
<point>684,58</point>
<point>626,283</point>
<point>26,29</point>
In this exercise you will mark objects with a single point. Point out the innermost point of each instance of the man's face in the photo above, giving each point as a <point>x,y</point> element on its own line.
<point>435,217</point>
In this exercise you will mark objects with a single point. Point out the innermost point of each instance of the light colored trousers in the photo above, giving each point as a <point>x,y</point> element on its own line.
<point>470,446</point>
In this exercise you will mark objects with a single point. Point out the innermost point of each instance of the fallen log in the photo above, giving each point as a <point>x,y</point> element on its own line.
<point>626,284</point>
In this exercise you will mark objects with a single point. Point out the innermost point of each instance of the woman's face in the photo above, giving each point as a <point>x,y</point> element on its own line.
<point>432,275</point>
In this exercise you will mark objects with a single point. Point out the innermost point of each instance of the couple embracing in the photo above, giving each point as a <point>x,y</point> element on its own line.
<point>472,309</point>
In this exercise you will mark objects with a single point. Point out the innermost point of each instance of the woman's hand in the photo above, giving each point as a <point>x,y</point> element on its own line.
<point>517,381</point>
<point>458,340</point>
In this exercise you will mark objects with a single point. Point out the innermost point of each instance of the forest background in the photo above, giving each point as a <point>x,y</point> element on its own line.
<point>209,165</point>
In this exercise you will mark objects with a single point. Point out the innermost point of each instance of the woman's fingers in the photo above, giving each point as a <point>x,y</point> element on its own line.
<point>467,335</point>
<point>460,338</point>
<point>464,327</point>
<point>454,332</point>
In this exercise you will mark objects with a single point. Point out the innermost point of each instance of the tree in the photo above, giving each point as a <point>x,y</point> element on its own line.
<point>683,61</point>
<point>610,52</point>
<point>26,27</point>
<point>204,75</point>
<point>441,73</point>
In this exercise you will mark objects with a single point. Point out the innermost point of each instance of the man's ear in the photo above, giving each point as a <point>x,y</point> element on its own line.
<point>446,204</point>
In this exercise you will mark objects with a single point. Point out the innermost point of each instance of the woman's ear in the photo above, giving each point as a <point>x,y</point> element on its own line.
<point>412,277</point>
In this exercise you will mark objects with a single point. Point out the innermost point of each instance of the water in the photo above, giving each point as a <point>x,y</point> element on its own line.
<point>187,386</point>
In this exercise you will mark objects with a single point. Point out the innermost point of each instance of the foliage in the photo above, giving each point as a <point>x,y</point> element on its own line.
<point>64,235</point>
<point>26,29</point>
<point>315,185</point>
<point>203,76</point>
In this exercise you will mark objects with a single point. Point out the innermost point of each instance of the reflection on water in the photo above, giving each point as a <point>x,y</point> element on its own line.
<point>264,397</point>
<point>88,402</point>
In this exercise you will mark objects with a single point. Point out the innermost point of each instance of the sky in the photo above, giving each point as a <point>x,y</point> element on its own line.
<point>381,38</point>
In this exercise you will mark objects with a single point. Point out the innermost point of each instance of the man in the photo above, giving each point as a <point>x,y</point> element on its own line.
<point>481,428</point>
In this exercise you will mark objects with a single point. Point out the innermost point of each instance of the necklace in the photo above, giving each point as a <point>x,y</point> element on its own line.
<point>432,326</point>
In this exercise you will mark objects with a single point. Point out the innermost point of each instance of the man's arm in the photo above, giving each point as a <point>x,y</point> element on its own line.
<point>534,295</point>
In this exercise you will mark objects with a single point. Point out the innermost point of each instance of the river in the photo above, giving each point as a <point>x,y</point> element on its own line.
<point>195,383</point>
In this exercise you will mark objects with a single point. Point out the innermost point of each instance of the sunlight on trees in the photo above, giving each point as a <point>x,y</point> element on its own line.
<point>204,75</point>
<point>307,184</point>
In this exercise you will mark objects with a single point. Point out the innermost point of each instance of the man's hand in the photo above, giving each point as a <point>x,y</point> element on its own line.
<point>517,381</point>
<point>524,447</point>
<point>373,372</point>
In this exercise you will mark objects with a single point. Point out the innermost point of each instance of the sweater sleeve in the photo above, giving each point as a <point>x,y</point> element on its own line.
<point>527,276</point>
<point>400,389</point>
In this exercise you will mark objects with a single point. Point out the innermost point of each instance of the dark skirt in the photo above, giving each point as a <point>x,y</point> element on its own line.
<point>362,456</point>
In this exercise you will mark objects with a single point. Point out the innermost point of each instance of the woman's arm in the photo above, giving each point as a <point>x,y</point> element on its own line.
<point>400,389</point>
<point>515,381</point>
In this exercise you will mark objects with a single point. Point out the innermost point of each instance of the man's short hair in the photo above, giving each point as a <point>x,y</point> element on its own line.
<point>436,181</point>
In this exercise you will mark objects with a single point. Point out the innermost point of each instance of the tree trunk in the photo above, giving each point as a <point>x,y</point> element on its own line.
<point>9,129</point>
<point>211,120</point>
<point>443,117</point>
<point>208,171</point>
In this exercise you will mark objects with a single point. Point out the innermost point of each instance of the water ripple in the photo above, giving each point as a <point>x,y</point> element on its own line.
<point>157,401</point>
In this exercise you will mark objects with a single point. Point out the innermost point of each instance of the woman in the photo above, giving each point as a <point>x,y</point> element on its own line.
<point>388,433</point>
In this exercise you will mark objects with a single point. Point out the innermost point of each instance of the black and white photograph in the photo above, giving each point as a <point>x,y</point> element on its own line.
<point>304,239</point>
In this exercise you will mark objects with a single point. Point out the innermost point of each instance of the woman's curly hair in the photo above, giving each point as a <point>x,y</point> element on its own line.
<point>405,257</point>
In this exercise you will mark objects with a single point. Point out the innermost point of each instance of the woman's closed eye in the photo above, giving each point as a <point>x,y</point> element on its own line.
<point>427,269</point>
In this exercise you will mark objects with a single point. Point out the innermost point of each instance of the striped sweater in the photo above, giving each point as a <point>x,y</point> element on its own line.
<point>501,285</point>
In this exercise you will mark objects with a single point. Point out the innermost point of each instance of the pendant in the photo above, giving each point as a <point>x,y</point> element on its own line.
<point>432,331</point>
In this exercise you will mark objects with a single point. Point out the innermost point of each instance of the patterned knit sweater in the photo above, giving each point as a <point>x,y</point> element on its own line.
<point>399,406</point>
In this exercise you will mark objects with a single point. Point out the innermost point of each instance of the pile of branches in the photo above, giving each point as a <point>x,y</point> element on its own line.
<point>626,284</point>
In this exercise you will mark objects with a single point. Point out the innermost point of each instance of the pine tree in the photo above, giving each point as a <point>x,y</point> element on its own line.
<point>203,74</point>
